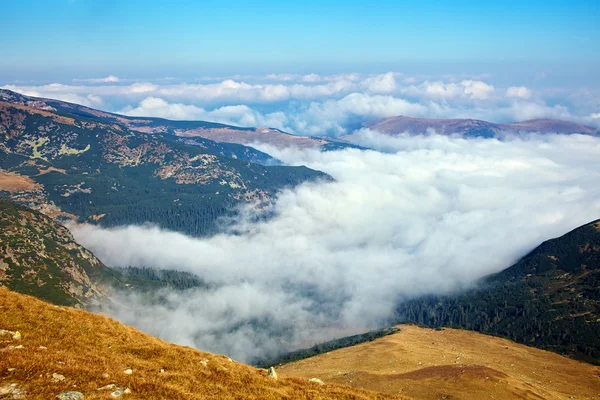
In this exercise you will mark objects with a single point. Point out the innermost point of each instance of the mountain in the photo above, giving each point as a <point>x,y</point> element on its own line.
<point>193,130</point>
<point>41,258</point>
<point>71,164</point>
<point>474,127</point>
<point>64,350</point>
<point>549,299</point>
<point>452,364</point>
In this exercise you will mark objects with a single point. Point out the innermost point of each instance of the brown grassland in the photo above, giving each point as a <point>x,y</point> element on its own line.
<point>84,347</point>
<point>12,182</point>
<point>452,364</point>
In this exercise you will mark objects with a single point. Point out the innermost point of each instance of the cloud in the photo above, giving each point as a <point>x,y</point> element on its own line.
<point>108,79</point>
<point>518,91</point>
<point>385,83</point>
<point>238,115</point>
<point>333,105</point>
<point>477,89</point>
<point>466,89</point>
<point>429,215</point>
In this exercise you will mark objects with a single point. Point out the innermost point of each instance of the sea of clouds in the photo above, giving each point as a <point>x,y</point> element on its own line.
<point>324,104</point>
<point>414,215</point>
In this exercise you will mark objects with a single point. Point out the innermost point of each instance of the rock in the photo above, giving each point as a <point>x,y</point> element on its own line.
<point>272,373</point>
<point>118,392</point>
<point>11,369</point>
<point>43,348</point>
<point>17,335</point>
<point>316,380</point>
<point>128,371</point>
<point>162,371</point>
<point>11,347</point>
<point>204,361</point>
<point>108,387</point>
<point>57,377</point>
<point>105,375</point>
<point>12,391</point>
<point>4,332</point>
<point>70,396</point>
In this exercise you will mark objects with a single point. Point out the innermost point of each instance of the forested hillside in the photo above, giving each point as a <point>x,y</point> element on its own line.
<point>40,257</point>
<point>550,299</point>
<point>83,169</point>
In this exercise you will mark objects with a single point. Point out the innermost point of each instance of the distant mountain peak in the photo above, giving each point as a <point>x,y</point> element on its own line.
<point>475,127</point>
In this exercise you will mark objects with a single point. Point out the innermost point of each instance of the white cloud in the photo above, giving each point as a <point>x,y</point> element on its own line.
<point>238,115</point>
<point>108,79</point>
<point>430,216</point>
<point>477,89</point>
<point>466,89</point>
<point>385,83</point>
<point>518,91</point>
<point>327,104</point>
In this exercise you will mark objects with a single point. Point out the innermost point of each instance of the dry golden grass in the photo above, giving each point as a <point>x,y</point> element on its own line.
<point>452,364</point>
<point>245,137</point>
<point>12,182</point>
<point>82,347</point>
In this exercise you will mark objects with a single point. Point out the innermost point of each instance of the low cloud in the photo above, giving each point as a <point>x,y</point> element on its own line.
<point>518,91</point>
<point>108,79</point>
<point>425,215</point>
<point>238,115</point>
<point>311,104</point>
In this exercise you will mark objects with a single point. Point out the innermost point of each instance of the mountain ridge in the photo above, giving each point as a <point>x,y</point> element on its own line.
<point>549,299</point>
<point>449,363</point>
<point>221,133</point>
<point>94,171</point>
<point>475,127</point>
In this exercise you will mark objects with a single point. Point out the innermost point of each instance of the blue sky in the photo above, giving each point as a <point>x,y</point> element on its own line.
<point>55,38</point>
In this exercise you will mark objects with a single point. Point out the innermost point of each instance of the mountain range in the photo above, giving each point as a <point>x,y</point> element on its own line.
<point>474,127</point>
<point>78,164</point>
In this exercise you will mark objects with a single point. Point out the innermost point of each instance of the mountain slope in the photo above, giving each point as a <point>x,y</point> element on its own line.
<point>84,352</point>
<point>550,299</point>
<point>89,170</point>
<point>452,364</point>
<point>219,133</point>
<point>40,257</point>
<point>474,127</point>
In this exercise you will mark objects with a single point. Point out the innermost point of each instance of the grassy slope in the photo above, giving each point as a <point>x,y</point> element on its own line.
<point>82,347</point>
<point>452,364</point>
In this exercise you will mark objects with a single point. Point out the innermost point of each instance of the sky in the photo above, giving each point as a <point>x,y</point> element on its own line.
<point>58,39</point>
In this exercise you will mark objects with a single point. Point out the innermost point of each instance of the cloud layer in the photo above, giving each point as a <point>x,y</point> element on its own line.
<point>324,105</point>
<point>426,214</point>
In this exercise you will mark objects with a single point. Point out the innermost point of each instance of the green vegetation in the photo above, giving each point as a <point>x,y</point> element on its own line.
<point>144,280</point>
<point>326,347</point>
<point>550,299</point>
<point>98,170</point>
<point>40,258</point>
